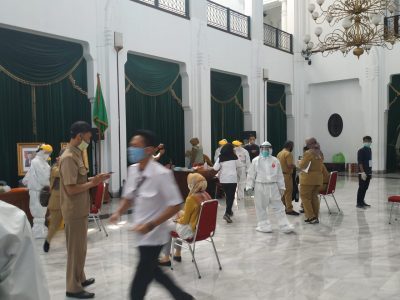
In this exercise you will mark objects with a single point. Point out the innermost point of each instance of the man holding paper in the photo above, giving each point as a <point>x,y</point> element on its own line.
<point>311,179</point>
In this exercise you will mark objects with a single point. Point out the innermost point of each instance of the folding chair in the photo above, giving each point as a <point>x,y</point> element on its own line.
<point>95,210</point>
<point>393,199</point>
<point>330,190</point>
<point>205,230</point>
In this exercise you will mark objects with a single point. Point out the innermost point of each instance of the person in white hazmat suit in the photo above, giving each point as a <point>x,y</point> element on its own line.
<point>242,169</point>
<point>36,179</point>
<point>221,143</point>
<point>21,273</point>
<point>266,177</point>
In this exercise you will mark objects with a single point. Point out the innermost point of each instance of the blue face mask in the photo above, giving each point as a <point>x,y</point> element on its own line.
<point>264,153</point>
<point>368,145</point>
<point>135,154</point>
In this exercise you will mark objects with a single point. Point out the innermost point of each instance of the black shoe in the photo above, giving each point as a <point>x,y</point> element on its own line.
<point>227,218</point>
<point>366,204</point>
<point>292,213</point>
<point>230,214</point>
<point>46,246</point>
<point>178,258</point>
<point>360,206</point>
<point>80,295</point>
<point>313,221</point>
<point>164,263</point>
<point>88,282</point>
<point>301,211</point>
<point>307,220</point>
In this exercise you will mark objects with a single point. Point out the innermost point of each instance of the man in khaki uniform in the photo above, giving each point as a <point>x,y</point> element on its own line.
<point>311,179</point>
<point>75,206</point>
<point>286,159</point>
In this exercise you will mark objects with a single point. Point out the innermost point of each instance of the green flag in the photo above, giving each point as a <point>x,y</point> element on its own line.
<point>99,109</point>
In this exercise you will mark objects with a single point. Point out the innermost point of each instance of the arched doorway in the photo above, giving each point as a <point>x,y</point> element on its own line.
<point>393,126</point>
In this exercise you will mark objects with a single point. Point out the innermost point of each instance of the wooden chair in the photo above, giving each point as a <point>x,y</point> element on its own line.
<point>95,210</point>
<point>330,190</point>
<point>205,230</point>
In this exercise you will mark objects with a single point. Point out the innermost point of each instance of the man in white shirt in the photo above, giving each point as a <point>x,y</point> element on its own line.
<point>21,273</point>
<point>266,177</point>
<point>156,198</point>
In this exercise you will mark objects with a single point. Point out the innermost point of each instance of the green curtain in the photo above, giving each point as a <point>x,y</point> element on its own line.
<point>276,115</point>
<point>58,106</point>
<point>153,102</point>
<point>226,108</point>
<point>50,91</point>
<point>393,126</point>
<point>37,59</point>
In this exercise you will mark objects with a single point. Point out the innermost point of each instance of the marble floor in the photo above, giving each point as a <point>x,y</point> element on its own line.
<point>351,255</point>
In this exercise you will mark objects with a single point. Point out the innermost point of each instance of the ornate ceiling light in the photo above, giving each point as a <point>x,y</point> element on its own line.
<point>361,23</point>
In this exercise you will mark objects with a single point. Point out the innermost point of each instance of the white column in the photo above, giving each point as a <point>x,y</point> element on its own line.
<point>284,15</point>
<point>256,84</point>
<point>122,58</point>
<point>199,79</point>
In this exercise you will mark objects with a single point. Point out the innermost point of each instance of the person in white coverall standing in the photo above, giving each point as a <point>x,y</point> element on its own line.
<point>266,177</point>
<point>36,179</point>
<point>242,169</point>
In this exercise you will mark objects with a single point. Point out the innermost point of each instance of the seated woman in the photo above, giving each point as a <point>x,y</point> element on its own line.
<point>187,219</point>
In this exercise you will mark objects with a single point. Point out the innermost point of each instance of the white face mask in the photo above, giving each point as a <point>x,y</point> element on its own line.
<point>83,145</point>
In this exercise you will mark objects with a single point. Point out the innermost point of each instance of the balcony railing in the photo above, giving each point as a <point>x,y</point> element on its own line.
<point>392,27</point>
<point>176,7</point>
<point>276,38</point>
<point>228,20</point>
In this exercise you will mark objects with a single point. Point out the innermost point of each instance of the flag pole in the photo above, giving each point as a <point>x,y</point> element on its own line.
<point>98,131</point>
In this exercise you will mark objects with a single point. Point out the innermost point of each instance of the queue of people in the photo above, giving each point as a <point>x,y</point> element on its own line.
<point>240,169</point>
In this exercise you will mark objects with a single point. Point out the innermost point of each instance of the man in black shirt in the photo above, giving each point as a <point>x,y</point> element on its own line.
<point>252,147</point>
<point>364,158</point>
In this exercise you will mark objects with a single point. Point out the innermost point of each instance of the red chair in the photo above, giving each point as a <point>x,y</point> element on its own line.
<point>95,210</point>
<point>393,199</point>
<point>205,230</point>
<point>330,190</point>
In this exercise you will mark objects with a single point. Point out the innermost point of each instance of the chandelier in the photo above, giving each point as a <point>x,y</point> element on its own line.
<point>361,27</point>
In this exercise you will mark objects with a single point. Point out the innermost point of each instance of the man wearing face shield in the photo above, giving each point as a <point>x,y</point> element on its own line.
<point>75,207</point>
<point>243,167</point>
<point>265,176</point>
<point>152,191</point>
<point>37,178</point>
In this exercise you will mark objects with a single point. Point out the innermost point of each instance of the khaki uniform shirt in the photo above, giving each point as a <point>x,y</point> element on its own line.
<point>286,159</point>
<point>73,171</point>
<point>314,175</point>
<point>54,201</point>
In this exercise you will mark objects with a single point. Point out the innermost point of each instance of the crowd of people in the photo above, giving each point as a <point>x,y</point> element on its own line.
<point>151,189</point>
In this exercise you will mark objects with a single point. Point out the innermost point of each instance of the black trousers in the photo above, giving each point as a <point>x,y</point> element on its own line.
<point>362,189</point>
<point>147,270</point>
<point>230,190</point>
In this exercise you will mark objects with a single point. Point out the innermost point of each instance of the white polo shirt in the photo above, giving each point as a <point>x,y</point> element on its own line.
<point>157,191</point>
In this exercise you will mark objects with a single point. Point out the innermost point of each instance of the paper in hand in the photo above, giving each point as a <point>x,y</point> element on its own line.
<point>308,167</point>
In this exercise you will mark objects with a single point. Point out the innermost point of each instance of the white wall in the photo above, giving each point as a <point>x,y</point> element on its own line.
<point>343,98</point>
<point>373,72</point>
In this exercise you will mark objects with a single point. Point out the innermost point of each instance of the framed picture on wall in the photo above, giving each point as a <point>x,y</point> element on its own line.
<point>25,153</point>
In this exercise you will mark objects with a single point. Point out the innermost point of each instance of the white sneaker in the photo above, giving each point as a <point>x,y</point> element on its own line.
<point>287,228</point>
<point>265,228</point>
